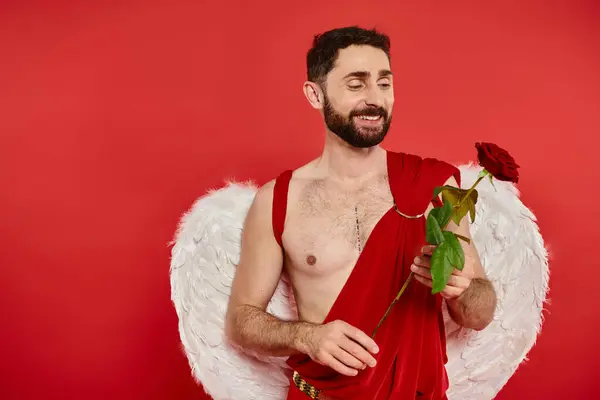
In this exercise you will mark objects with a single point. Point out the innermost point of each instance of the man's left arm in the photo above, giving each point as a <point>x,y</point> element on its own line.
<point>470,295</point>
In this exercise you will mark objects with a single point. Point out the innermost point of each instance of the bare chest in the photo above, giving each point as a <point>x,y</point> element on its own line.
<point>327,227</point>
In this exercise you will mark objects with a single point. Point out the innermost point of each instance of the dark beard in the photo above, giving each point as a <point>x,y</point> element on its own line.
<point>346,129</point>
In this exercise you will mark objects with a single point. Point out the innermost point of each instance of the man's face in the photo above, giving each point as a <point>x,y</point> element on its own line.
<point>359,96</point>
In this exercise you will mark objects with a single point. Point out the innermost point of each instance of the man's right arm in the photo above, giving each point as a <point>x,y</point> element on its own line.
<point>255,281</point>
<point>336,344</point>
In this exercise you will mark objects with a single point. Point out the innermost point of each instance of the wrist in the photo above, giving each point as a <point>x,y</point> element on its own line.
<point>301,335</point>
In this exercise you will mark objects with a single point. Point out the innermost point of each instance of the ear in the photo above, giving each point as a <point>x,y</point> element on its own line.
<point>313,94</point>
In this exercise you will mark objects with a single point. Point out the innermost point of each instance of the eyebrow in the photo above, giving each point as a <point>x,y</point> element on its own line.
<point>366,74</point>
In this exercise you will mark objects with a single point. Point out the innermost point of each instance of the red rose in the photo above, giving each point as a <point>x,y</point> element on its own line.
<point>497,162</point>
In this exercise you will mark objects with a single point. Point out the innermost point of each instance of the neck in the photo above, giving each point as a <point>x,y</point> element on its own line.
<point>343,162</point>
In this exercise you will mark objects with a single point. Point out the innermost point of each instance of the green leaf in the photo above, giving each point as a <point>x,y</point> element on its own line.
<point>439,189</point>
<point>434,233</point>
<point>442,214</point>
<point>467,205</point>
<point>441,268</point>
<point>472,209</point>
<point>445,213</point>
<point>454,251</point>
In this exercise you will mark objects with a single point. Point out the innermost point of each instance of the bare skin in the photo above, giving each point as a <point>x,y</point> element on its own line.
<point>322,246</point>
<point>328,224</point>
<point>334,203</point>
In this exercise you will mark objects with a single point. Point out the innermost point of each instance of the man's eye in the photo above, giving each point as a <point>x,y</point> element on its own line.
<point>354,84</point>
<point>385,85</point>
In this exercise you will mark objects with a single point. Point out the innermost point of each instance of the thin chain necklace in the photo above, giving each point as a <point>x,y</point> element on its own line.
<point>357,229</point>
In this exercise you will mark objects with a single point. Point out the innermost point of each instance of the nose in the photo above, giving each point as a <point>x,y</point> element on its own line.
<point>374,97</point>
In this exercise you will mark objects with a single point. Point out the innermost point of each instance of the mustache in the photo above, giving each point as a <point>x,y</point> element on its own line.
<point>371,112</point>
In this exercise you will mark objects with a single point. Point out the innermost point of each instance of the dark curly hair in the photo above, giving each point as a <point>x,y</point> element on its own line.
<point>321,58</point>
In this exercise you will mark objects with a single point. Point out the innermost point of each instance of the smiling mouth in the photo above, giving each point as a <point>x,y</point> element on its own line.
<point>369,119</point>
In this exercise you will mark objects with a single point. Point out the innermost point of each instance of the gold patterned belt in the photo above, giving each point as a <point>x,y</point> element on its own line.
<point>306,387</point>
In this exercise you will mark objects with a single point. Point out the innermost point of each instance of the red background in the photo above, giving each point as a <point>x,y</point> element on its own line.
<point>115,116</point>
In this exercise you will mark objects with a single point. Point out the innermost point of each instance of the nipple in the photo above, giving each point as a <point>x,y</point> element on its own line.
<point>311,260</point>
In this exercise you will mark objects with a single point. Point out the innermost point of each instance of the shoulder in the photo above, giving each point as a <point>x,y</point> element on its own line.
<point>261,209</point>
<point>271,194</point>
<point>258,216</point>
<point>264,195</point>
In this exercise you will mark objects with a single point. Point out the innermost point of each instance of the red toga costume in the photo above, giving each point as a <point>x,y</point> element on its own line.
<point>412,347</point>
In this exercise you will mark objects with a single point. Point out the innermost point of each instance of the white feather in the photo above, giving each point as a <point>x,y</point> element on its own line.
<point>515,259</point>
<point>206,250</point>
<point>205,253</point>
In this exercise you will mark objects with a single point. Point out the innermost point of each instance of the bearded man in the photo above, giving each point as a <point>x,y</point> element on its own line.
<point>348,228</point>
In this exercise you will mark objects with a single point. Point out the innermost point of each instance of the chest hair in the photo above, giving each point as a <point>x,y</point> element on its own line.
<point>328,213</point>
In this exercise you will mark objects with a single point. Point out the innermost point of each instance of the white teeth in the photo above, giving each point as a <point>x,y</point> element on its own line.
<point>369,117</point>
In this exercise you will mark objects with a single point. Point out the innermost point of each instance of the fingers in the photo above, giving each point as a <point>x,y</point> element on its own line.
<point>422,261</point>
<point>424,281</point>
<point>420,271</point>
<point>347,359</point>
<point>343,348</point>
<point>457,281</point>
<point>425,263</point>
<point>449,291</point>
<point>358,352</point>
<point>329,360</point>
<point>360,337</point>
<point>428,249</point>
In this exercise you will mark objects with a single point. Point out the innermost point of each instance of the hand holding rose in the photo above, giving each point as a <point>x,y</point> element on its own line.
<point>458,282</point>
<point>443,264</point>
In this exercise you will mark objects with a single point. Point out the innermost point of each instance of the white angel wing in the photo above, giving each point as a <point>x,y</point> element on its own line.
<point>205,253</point>
<point>515,259</point>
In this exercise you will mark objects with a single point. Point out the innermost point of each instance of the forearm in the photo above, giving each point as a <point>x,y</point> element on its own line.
<point>476,306</point>
<point>255,329</point>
